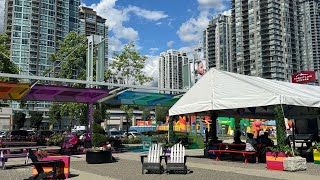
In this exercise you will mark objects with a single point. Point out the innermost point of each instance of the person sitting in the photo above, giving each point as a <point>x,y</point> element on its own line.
<point>266,141</point>
<point>237,138</point>
<point>250,143</point>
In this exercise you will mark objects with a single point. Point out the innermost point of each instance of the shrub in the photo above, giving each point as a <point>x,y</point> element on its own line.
<point>99,140</point>
<point>136,140</point>
<point>97,129</point>
<point>55,140</point>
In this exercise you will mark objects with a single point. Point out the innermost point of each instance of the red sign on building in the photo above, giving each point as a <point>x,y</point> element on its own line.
<point>304,77</point>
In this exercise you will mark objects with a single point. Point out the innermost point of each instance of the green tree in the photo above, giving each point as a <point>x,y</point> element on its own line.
<point>161,114</point>
<point>19,118</point>
<point>55,114</point>
<point>6,65</point>
<point>281,128</point>
<point>72,55</point>
<point>146,114</point>
<point>35,119</point>
<point>98,116</point>
<point>129,64</point>
<point>128,110</point>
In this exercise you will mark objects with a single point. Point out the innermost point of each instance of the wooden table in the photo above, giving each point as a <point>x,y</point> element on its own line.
<point>17,143</point>
<point>5,153</point>
<point>227,145</point>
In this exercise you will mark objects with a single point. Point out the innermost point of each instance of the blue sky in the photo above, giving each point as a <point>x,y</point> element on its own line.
<point>157,25</point>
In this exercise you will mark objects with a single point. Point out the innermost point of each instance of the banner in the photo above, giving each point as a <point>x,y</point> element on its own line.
<point>304,77</point>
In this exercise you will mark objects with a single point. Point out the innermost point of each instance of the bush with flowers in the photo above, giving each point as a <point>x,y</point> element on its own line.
<point>41,154</point>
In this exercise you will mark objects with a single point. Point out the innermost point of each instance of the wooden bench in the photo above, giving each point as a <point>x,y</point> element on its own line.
<point>245,154</point>
<point>5,154</point>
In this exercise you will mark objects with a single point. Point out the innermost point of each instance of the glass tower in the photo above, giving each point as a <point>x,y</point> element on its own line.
<point>35,29</point>
<point>265,38</point>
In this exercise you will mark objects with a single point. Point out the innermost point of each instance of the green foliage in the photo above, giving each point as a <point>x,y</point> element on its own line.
<point>171,133</point>
<point>315,146</point>
<point>72,52</point>
<point>97,116</point>
<point>281,129</point>
<point>146,114</point>
<point>35,119</point>
<point>129,64</point>
<point>136,140</point>
<point>99,140</point>
<point>55,140</point>
<point>161,114</point>
<point>75,111</point>
<point>6,65</point>
<point>285,149</point>
<point>55,113</point>
<point>19,118</point>
<point>152,133</point>
<point>97,129</point>
<point>196,141</point>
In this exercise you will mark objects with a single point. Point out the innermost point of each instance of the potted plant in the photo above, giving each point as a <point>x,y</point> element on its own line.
<point>101,152</point>
<point>276,155</point>
<point>283,157</point>
<point>316,152</point>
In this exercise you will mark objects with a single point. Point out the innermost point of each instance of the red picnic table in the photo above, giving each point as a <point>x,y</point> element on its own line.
<point>232,149</point>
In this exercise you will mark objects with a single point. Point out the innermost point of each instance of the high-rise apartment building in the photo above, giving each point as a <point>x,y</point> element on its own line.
<point>217,43</point>
<point>91,23</point>
<point>170,70</point>
<point>265,38</point>
<point>35,29</point>
<point>309,27</point>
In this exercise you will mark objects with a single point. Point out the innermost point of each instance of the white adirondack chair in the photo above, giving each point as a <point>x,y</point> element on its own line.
<point>178,159</point>
<point>154,159</point>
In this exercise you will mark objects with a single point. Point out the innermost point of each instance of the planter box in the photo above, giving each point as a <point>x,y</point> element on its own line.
<point>316,156</point>
<point>64,170</point>
<point>275,160</point>
<point>99,157</point>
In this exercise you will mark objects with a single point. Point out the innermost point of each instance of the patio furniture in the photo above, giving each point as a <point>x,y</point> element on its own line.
<point>154,159</point>
<point>5,154</point>
<point>245,154</point>
<point>56,165</point>
<point>178,159</point>
<point>148,141</point>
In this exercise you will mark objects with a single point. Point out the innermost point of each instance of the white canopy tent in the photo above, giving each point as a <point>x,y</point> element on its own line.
<point>227,93</point>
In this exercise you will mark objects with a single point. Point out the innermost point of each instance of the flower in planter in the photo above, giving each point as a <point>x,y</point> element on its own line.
<point>41,154</point>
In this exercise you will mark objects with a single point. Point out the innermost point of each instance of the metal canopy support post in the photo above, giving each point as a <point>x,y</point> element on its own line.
<point>90,119</point>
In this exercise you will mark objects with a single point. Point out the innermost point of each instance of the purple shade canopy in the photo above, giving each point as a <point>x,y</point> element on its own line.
<point>64,94</point>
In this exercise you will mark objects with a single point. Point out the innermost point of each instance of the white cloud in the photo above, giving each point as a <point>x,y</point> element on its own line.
<point>170,44</point>
<point>158,23</point>
<point>153,50</point>
<point>117,16</point>
<point>218,5</point>
<point>151,69</point>
<point>150,15</point>
<point>191,30</point>
<point>227,12</point>
<point>2,15</point>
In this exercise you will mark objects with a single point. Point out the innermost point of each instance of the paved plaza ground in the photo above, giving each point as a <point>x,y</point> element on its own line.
<point>128,167</point>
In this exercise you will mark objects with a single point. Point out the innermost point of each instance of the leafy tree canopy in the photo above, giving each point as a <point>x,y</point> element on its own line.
<point>35,119</point>
<point>6,65</point>
<point>129,64</point>
<point>19,118</point>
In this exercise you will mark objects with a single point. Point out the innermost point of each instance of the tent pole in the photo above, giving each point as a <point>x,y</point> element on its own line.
<point>213,127</point>
<point>90,120</point>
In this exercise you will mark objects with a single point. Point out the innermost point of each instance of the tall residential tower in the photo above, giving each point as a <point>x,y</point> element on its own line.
<point>91,23</point>
<point>170,70</point>
<point>35,29</point>
<point>265,40</point>
<point>217,43</point>
<point>309,27</point>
